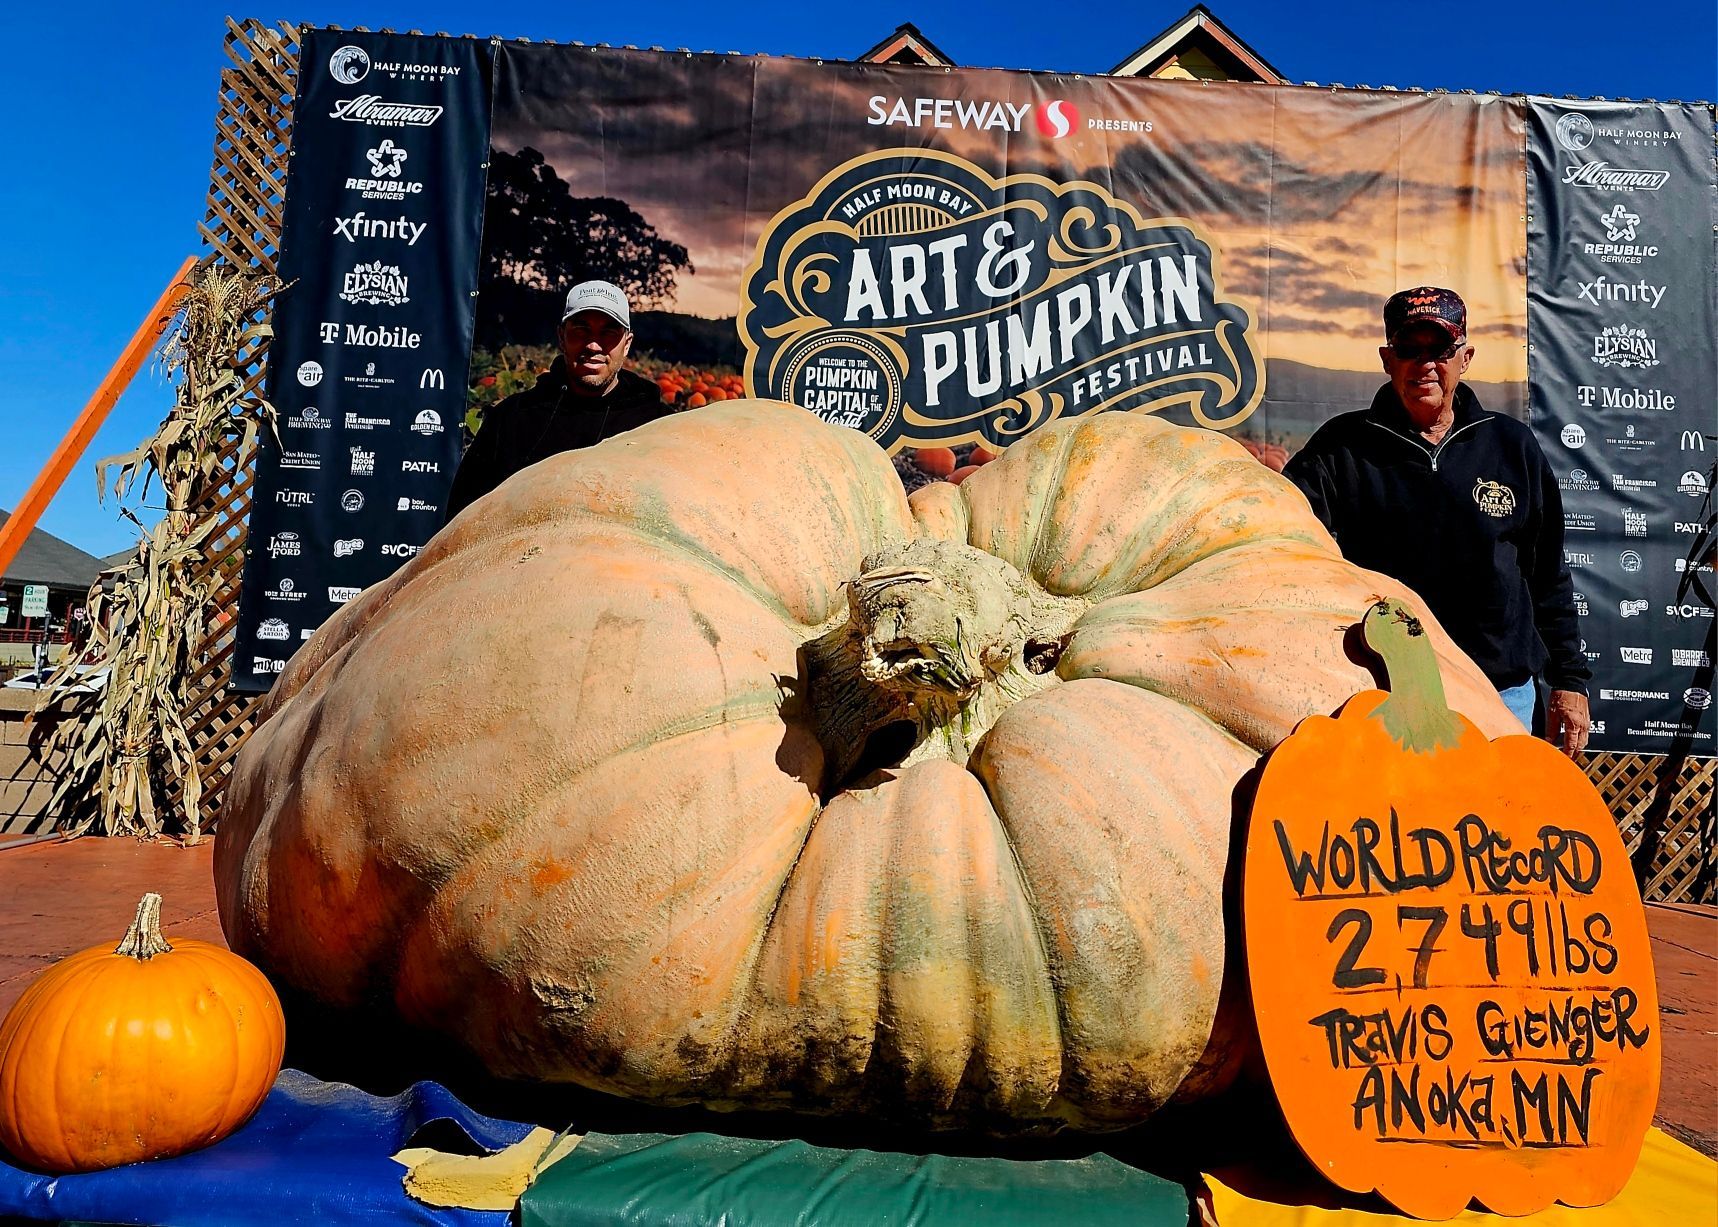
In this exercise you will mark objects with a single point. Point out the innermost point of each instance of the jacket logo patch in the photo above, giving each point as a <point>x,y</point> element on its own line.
<point>1494,498</point>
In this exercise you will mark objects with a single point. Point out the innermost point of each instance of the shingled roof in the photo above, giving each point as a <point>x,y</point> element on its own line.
<point>45,559</point>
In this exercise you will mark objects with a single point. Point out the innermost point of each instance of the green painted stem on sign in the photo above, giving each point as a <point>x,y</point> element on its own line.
<point>1416,714</point>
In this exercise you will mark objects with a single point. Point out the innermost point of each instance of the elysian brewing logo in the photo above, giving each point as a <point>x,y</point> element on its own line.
<point>380,285</point>
<point>1623,346</point>
<point>916,298</point>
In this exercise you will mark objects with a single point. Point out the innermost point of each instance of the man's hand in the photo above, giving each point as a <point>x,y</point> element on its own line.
<point>1567,721</point>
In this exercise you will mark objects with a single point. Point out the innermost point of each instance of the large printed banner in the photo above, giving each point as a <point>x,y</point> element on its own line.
<point>950,259</point>
<point>1625,399</point>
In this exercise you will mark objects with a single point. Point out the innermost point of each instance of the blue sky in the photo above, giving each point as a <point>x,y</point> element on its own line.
<point>107,135</point>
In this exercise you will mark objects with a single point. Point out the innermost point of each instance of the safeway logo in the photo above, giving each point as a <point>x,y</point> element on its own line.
<point>1057,119</point>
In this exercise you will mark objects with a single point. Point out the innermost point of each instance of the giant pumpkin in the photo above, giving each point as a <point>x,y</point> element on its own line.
<point>700,766</point>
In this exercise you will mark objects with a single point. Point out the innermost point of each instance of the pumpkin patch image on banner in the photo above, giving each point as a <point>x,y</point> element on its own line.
<point>1447,952</point>
<point>917,298</point>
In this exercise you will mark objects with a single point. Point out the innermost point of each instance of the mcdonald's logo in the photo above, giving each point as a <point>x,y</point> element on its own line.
<point>432,378</point>
<point>1693,441</point>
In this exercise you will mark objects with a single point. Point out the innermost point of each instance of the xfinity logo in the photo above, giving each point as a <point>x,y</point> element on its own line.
<point>401,551</point>
<point>346,548</point>
<point>375,336</point>
<point>273,628</point>
<point>362,226</point>
<point>283,545</point>
<point>419,466</point>
<point>1603,177</point>
<point>340,595</point>
<point>375,283</point>
<point>1606,290</point>
<point>1629,609</point>
<point>1636,656</point>
<point>372,109</point>
<point>294,498</point>
<point>432,378</point>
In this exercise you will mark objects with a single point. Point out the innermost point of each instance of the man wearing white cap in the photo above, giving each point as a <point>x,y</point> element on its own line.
<point>586,397</point>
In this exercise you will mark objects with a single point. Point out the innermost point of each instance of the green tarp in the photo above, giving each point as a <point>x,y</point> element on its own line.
<point>703,1180</point>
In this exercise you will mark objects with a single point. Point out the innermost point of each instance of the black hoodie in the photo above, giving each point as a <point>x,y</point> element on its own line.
<point>1474,525</point>
<point>545,420</point>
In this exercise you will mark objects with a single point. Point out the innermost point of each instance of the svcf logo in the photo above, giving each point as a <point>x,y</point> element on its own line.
<point>1057,119</point>
<point>1494,498</point>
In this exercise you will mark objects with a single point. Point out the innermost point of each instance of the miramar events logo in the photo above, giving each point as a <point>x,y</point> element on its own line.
<point>915,297</point>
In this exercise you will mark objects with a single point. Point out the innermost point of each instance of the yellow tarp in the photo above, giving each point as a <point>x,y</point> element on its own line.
<point>1673,1186</point>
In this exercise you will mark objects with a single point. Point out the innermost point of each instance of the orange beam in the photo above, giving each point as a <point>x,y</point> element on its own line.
<point>53,475</point>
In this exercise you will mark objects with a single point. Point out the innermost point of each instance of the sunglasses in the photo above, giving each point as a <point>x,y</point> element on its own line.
<point>1426,351</point>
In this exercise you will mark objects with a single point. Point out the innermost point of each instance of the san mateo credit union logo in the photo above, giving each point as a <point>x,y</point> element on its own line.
<point>914,297</point>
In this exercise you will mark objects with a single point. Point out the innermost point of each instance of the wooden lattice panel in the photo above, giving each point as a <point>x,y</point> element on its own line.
<point>1667,825</point>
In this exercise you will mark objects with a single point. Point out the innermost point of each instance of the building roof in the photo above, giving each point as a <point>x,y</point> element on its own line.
<point>906,46</point>
<point>1199,45</point>
<point>45,559</point>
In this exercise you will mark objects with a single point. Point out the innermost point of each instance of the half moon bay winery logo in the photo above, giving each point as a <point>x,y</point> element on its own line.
<point>916,298</point>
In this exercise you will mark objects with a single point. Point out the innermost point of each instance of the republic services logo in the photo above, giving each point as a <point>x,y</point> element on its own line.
<point>1619,224</point>
<point>1058,118</point>
<point>349,65</point>
<point>387,159</point>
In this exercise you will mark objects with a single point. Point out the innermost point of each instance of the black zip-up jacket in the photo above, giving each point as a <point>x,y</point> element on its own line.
<point>545,420</point>
<point>1474,525</point>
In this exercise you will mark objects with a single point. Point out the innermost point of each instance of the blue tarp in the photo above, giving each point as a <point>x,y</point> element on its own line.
<point>315,1152</point>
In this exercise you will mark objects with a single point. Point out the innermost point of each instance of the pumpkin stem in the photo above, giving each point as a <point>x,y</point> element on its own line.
<point>143,941</point>
<point>1416,714</point>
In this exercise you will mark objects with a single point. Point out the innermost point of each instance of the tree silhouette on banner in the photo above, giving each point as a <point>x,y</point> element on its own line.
<point>539,240</point>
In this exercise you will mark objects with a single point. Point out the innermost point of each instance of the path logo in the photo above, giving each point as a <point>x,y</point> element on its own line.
<point>916,298</point>
<point>1494,498</point>
<point>1057,119</point>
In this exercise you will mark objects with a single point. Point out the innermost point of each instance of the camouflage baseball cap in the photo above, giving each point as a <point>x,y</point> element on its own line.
<point>1426,304</point>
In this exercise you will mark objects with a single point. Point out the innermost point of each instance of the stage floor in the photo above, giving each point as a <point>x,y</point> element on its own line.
<point>57,898</point>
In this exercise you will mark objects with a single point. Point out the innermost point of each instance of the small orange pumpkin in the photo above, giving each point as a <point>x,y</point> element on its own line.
<point>141,1052</point>
<point>937,461</point>
<point>1448,955</point>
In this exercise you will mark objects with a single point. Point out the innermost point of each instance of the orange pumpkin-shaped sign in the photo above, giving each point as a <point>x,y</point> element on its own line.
<point>1448,954</point>
<point>151,1050</point>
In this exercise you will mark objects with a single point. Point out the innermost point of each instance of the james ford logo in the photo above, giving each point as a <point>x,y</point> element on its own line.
<point>1622,346</point>
<point>432,378</point>
<point>1581,604</point>
<point>428,422</point>
<point>310,373</point>
<point>1574,436</point>
<point>352,500</point>
<point>372,109</point>
<point>401,229</point>
<point>363,462</point>
<point>294,498</point>
<point>1057,119</point>
<point>1692,484</point>
<point>273,628</point>
<point>346,548</point>
<point>284,545</point>
<point>1634,523</point>
<point>380,285</point>
<point>1630,609</point>
<point>401,550</point>
<point>1689,658</point>
<point>1619,224</point>
<point>349,65</point>
<point>419,466</point>
<point>1636,656</point>
<point>1697,697</point>
<point>340,595</point>
<point>1574,131</point>
<point>267,664</point>
<point>1630,561</point>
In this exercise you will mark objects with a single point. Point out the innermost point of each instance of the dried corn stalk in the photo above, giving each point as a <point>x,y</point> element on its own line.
<point>126,748</point>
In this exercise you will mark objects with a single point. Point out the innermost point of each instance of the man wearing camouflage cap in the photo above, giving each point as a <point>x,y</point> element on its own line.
<point>1458,503</point>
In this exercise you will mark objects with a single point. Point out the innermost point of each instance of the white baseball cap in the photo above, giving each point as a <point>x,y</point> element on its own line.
<point>598,296</point>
